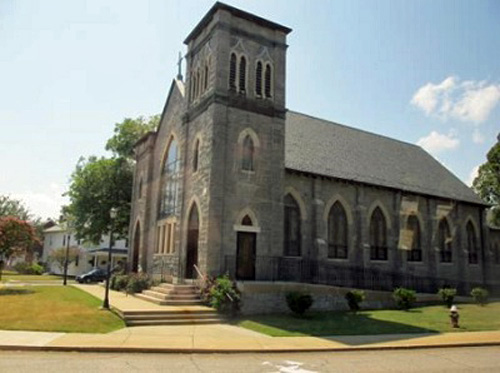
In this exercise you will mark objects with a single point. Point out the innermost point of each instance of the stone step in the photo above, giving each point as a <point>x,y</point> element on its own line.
<point>146,316</point>
<point>172,292</point>
<point>171,296</point>
<point>178,288</point>
<point>174,322</point>
<point>187,310</point>
<point>166,302</point>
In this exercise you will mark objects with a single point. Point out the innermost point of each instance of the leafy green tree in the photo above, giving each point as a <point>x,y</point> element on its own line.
<point>97,186</point>
<point>58,256</point>
<point>487,182</point>
<point>16,236</point>
<point>128,132</point>
<point>13,207</point>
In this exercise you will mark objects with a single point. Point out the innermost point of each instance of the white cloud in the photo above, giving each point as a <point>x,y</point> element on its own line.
<point>436,142</point>
<point>46,203</point>
<point>477,137</point>
<point>467,101</point>
<point>472,175</point>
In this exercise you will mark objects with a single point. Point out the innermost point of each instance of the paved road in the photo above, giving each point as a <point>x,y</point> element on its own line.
<point>456,360</point>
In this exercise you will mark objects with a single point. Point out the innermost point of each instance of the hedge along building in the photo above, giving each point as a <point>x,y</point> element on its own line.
<point>234,182</point>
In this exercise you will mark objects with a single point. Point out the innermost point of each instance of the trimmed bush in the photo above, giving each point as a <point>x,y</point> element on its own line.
<point>223,295</point>
<point>28,269</point>
<point>480,295</point>
<point>119,282</point>
<point>404,298</point>
<point>138,282</point>
<point>299,302</point>
<point>447,295</point>
<point>354,298</point>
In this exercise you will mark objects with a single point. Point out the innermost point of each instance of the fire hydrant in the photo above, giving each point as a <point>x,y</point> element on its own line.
<point>454,316</point>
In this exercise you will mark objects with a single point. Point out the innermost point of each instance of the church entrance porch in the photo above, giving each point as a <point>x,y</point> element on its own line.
<point>245,257</point>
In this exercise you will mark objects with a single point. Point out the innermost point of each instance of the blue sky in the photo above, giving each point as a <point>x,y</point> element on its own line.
<point>424,72</point>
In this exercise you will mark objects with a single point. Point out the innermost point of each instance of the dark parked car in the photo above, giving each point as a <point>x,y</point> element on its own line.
<point>94,275</point>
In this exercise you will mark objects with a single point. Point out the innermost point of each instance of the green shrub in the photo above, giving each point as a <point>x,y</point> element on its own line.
<point>28,269</point>
<point>354,298</point>
<point>480,295</point>
<point>299,302</point>
<point>447,295</point>
<point>119,282</point>
<point>404,298</point>
<point>138,282</point>
<point>223,295</point>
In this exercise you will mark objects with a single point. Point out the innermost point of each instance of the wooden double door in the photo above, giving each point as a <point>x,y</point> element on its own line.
<point>246,255</point>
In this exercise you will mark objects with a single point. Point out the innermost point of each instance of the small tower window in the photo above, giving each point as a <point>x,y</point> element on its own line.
<point>232,72</point>
<point>196,155</point>
<point>248,154</point>
<point>206,77</point>
<point>243,73</point>
<point>268,81</point>
<point>246,221</point>
<point>194,87</point>
<point>258,79</point>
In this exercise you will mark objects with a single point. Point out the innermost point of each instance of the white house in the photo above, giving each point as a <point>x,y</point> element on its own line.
<point>91,256</point>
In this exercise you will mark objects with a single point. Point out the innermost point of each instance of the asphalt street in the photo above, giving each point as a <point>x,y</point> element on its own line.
<point>473,359</point>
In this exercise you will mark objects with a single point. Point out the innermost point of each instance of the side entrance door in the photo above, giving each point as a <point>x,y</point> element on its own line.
<point>245,257</point>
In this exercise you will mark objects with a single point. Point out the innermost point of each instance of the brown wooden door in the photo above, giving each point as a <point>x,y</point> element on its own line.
<point>245,258</point>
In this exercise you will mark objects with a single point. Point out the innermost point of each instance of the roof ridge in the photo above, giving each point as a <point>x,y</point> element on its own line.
<point>356,129</point>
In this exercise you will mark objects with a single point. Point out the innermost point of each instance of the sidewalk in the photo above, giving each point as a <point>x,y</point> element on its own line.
<point>220,337</point>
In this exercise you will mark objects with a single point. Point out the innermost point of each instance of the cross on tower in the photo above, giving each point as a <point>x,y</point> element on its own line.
<point>179,65</point>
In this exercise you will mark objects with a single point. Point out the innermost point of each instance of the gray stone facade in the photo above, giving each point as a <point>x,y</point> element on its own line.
<point>206,110</point>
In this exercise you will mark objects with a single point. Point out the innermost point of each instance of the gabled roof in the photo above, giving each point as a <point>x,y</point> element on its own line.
<point>325,148</point>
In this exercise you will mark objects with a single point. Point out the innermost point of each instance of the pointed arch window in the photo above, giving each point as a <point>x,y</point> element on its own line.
<point>471,243</point>
<point>140,188</point>
<point>232,72</point>
<point>292,233</point>
<point>246,221</point>
<point>496,252</point>
<point>205,86</point>
<point>337,232</point>
<point>444,241</point>
<point>247,161</point>
<point>196,154</point>
<point>378,236</point>
<point>258,79</point>
<point>242,74</point>
<point>170,181</point>
<point>415,252</point>
<point>268,83</point>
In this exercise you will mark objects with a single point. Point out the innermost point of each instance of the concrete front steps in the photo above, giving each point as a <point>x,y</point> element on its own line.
<point>180,316</point>
<point>181,305</point>
<point>171,295</point>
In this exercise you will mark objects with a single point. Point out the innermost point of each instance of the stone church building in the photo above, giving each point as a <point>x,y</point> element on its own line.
<point>232,181</point>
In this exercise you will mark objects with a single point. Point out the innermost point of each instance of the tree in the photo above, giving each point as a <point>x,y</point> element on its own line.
<point>13,207</point>
<point>487,182</point>
<point>97,185</point>
<point>16,236</point>
<point>128,132</point>
<point>58,256</point>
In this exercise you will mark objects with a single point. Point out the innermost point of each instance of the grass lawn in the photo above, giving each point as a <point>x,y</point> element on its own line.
<point>55,309</point>
<point>9,276</point>
<point>417,320</point>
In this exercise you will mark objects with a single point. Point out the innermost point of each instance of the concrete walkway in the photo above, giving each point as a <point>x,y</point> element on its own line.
<point>220,337</point>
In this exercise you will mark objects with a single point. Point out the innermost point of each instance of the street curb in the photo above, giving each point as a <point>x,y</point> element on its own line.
<point>238,351</point>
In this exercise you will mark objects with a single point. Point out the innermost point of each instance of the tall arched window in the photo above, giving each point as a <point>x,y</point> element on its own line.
<point>337,232</point>
<point>247,161</point>
<point>196,154</point>
<point>496,250</point>
<point>232,72</point>
<point>444,241</point>
<point>415,253</point>
<point>258,79</point>
<point>378,236</point>
<point>471,243</point>
<point>292,233</point>
<point>268,77</point>
<point>243,74</point>
<point>170,181</point>
<point>205,85</point>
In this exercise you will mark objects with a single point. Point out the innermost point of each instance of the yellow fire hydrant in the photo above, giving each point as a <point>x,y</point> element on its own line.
<point>454,316</point>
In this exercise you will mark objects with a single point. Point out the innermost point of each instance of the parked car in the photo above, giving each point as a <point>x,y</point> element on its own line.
<point>95,275</point>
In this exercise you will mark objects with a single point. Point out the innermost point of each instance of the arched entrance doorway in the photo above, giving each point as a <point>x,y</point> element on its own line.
<point>192,242</point>
<point>137,247</point>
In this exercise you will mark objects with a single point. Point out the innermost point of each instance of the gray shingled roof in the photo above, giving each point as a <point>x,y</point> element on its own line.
<point>325,148</point>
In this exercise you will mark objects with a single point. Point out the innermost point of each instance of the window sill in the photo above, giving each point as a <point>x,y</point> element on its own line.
<point>337,259</point>
<point>379,260</point>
